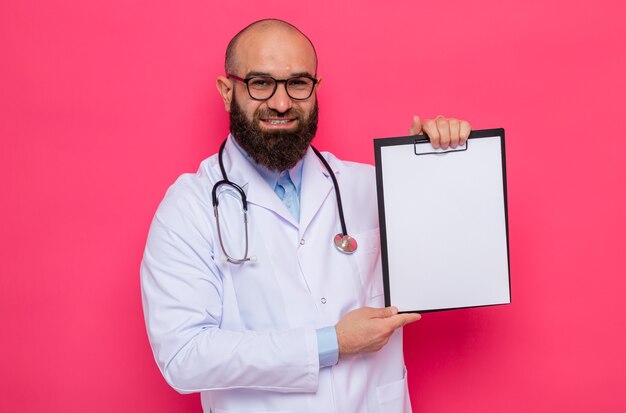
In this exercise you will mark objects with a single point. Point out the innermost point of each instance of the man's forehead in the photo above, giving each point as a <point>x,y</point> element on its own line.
<point>275,48</point>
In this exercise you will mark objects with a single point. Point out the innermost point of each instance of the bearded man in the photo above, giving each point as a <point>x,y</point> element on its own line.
<point>248,298</point>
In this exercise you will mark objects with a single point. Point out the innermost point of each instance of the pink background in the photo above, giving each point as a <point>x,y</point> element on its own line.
<point>104,103</point>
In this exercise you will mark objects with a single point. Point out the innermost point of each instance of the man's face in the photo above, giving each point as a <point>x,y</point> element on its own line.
<point>276,132</point>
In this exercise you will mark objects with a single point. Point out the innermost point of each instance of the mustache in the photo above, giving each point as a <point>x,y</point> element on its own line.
<point>273,113</point>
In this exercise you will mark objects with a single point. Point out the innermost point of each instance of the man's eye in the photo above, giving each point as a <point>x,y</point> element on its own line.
<point>260,83</point>
<point>299,82</point>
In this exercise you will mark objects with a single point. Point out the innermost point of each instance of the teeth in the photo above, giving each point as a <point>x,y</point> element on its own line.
<point>278,121</point>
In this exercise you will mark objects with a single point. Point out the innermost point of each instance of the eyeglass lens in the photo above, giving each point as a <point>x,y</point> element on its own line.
<point>264,87</point>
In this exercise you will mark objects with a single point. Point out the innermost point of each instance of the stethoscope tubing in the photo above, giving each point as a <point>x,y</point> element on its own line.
<point>344,230</point>
<point>244,202</point>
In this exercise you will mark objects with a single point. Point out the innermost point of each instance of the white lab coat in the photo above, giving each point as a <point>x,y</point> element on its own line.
<point>244,335</point>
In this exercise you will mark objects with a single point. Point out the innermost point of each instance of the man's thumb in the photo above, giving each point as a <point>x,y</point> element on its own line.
<point>416,127</point>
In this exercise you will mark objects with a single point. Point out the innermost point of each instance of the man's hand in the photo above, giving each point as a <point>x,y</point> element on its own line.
<point>368,329</point>
<point>443,132</point>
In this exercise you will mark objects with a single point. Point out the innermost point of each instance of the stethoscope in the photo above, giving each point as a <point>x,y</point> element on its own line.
<point>343,242</point>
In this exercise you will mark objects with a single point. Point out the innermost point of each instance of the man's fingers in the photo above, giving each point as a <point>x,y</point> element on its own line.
<point>385,312</point>
<point>444,131</point>
<point>400,320</point>
<point>464,131</point>
<point>430,128</point>
<point>455,129</point>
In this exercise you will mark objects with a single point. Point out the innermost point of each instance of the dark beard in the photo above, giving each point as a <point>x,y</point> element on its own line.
<point>276,150</point>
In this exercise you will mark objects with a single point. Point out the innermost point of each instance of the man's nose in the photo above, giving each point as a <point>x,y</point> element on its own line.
<point>280,101</point>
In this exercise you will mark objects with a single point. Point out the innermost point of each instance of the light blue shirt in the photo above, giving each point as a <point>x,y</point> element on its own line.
<point>288,193</point>
<point>327,345</point>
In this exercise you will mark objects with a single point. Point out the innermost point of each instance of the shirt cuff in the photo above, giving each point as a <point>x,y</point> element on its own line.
<point>327,346</point>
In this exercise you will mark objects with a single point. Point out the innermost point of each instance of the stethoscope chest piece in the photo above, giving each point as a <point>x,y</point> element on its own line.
<point>345,243</point>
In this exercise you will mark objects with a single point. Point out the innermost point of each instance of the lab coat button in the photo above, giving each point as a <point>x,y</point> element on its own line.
<point>323,300</point>
<point>302,241</point>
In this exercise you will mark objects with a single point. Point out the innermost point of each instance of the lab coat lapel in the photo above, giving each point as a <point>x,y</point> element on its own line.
<point>243,173</point>
<point>316,185</point>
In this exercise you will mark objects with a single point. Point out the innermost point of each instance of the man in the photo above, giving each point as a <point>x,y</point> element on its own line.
<point>301,327</point>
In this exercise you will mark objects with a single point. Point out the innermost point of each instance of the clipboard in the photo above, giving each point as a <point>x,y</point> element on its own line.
<point>443,222</point>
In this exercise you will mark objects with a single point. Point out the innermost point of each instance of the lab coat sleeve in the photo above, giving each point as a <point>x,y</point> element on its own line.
<point>182,300</point>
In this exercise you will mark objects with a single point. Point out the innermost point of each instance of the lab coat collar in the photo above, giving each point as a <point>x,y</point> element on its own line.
<point>241,171</point>
<point>316,184</point>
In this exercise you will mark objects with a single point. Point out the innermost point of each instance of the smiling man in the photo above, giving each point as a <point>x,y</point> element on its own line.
<point>273,124</point>
<point>249,295</point>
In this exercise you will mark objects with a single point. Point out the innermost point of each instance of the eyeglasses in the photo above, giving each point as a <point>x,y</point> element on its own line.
<point>264,87</point>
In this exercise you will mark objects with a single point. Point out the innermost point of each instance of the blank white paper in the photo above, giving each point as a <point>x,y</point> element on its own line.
<point>445,226</point>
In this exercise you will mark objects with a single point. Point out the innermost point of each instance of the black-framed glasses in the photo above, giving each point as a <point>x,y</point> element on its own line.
<point>264,87</point>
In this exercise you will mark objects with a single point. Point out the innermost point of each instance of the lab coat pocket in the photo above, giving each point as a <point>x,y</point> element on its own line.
<point>394,397</point>
<point>367,257</point>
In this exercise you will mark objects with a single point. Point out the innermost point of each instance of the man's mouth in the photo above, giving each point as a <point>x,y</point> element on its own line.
<point>278,122</point>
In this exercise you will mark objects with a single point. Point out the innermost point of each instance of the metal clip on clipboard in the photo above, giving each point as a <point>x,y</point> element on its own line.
<point>429,150</point>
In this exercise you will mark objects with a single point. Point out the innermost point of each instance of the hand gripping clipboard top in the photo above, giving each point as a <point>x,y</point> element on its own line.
<point>443,222</point>
<point>421,146</point>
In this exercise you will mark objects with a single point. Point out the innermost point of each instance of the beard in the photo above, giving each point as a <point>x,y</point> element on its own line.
<point>278,150</point>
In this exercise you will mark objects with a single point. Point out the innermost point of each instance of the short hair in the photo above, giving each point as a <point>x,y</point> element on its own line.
<point>229,62</point>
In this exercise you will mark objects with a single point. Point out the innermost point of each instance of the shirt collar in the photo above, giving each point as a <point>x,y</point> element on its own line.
<point>269,176</point>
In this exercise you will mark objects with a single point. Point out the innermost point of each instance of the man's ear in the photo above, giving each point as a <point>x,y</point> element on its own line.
<point>319,82</point>
<point>225,89</point>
